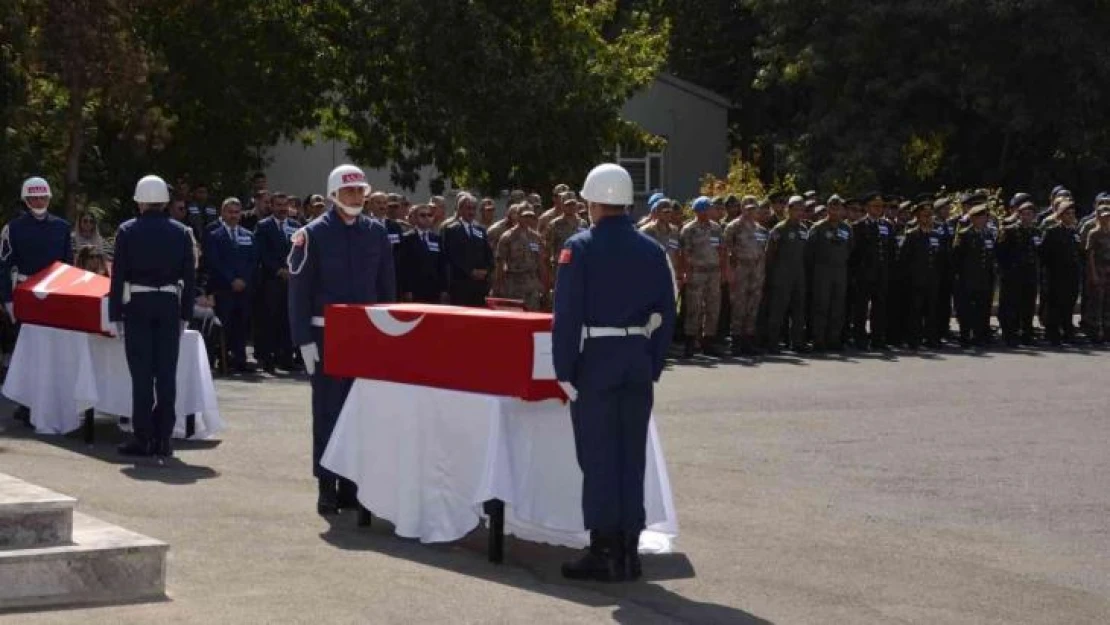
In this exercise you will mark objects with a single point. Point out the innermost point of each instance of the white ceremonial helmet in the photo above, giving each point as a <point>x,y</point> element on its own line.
<point>346,176</point>
<point>35,187</point>
<point>152,190</point>
<point>608,183</point>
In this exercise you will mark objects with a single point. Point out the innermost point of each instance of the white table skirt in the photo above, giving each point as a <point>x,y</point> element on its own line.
<point>426,459</point>
<point>59,374</point>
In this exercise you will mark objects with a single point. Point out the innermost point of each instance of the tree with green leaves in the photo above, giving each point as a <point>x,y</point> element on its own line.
<point>493,94</point>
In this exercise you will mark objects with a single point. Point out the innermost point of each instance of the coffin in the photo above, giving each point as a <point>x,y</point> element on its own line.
<point>478,350</point>
<point>63,296</point>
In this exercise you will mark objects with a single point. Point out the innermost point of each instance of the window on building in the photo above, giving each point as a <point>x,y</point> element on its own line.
<point>646,169</point>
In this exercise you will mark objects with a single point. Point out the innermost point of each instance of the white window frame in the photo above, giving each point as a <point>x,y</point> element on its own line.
<point>644,161</point>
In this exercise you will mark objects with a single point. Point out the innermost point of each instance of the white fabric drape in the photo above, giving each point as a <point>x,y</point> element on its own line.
<point>426,459</point>
<point>59,374</point>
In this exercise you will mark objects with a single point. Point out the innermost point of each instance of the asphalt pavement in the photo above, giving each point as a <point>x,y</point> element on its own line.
<point>870,488</point>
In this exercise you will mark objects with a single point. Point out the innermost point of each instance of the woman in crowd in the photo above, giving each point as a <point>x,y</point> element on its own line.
<point>87,234</point>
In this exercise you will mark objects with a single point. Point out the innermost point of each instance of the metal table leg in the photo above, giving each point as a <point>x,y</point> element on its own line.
<point>495,508</point>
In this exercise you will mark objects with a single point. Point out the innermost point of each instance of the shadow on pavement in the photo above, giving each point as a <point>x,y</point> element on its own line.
<point>107,435</point>
<point>536,568</point>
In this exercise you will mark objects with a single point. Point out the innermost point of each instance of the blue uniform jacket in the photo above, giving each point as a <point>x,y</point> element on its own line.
<point>228,259</point>
<point>153,250</point>
<point>610,276</point>
<point>29,245</point>
<point>335,263</point>
<point>273,240</point>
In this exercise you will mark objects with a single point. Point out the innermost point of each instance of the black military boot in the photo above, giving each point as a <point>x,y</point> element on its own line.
<point>163,449</point>
<point>602,562</point>
<point>327,499</point>
<point>691,347</point>
<point>633,568</point>
<point>136,448</point>
<point>23,415</point>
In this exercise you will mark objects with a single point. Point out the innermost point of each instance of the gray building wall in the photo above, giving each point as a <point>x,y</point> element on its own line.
<point>696,129</point>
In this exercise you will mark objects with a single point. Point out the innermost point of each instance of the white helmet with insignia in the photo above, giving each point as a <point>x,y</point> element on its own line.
<point>347,176</point>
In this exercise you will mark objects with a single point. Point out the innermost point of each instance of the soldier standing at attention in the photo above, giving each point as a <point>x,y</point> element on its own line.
<point>745,245</point>
<point>521,270</point>
<point>1098,275</point>
<point>150,303</point>
<point>1062,260</point>
<point>341,257</point>
<point>497,230</point>
<point>917,258</point>
<point>973,259</point>
<point>830,245</point>
<point>614,312</point>
<point>786,278</point>
<point>1018,252</point>
<point>701,264</point>
<point>946,233</point>
<point>659,227</point>
<point>869,265</point>
<point>562,227</point>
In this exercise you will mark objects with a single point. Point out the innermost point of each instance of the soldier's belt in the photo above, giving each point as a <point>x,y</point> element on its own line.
<point>130,289</point>
<point>596,332</point>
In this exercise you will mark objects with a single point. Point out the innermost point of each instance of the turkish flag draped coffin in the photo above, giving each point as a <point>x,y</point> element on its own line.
<point>464,349</point>
<point>63,296</point>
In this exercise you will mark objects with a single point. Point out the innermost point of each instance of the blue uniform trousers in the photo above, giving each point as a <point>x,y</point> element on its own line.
<point>151,338</point>
<point>328,396</point>
<point>610,419</point>
<point>234,310</point>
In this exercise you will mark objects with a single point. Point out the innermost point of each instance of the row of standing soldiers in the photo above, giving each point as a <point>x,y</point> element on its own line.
<point>767,279</point>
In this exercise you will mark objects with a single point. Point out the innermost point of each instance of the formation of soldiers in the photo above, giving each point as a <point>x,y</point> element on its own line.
<point>876,272</point>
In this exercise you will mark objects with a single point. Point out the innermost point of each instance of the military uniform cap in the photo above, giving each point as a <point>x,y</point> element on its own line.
<point>1019,199</point>
<point>718,200</point>
<point>977,211</point>
<point>731,200</point>
<point>869,196</point>
<point>941,202</point>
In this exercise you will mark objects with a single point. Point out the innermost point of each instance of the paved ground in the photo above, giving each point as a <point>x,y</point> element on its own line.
<point>947,489</point>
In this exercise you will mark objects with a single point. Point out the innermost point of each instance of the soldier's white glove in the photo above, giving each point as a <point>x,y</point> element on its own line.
<point>569,390</point>
<point>310,355</point>
<point>10,308</point>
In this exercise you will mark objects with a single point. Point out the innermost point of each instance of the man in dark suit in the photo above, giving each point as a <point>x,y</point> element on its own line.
<point>469,256</point>
<point>273,346</point>
<point>422,269</point>
<point>232,260</point>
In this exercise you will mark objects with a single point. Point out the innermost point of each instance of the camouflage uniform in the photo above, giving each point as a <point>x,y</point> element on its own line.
<point>700,243</point>
<point>558,231</point>
<point>827,252</point>
<point>546,219</point>
<point>519,255</point>
<point>1098,249</point>
<point>664,234</point>
<point>494,233</point>
<point>746,243</point>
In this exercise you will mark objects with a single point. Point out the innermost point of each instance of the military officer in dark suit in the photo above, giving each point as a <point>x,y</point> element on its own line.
<point>150,302</point>
<point>273,238</point>
<point>1019,268</point>
<point>1062,259</point>
<point>869,266</point>
<point>231,259</point>
<point>946,233</point>
<point>973,259</point>
<point>469,256</point>
<point>341,257</point>
<point>613,321</point>
<point>917,260</point>
<point>422,271</point>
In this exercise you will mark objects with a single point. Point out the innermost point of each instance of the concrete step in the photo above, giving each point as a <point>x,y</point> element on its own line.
<point>32,516</point>
<point>104,564</point>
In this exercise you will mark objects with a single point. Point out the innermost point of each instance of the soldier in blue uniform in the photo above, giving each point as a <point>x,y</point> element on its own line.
<point>231,259</point>
<point>341,257</point>
<point>273,237</point>
<point>613,322</point>
<point>150,303</point>
<point>29,244</point>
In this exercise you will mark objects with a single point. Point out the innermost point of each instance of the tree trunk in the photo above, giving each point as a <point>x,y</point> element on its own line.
<point>75,122</point>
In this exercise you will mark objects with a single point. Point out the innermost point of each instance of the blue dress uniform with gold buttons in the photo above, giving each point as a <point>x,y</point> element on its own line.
<point>153,276</point>
<point>333,262</point>
<point>614,317</point>
<point>231,255</point>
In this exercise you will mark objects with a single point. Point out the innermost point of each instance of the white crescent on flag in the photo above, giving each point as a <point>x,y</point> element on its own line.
<point>389,325</point>
<point>42,289</point>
